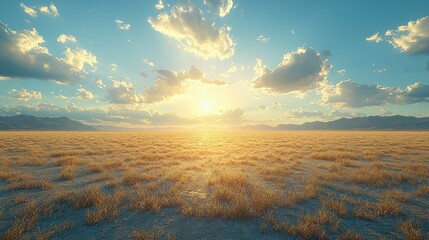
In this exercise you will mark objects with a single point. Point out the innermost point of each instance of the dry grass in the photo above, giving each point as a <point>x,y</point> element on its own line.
<point>338,206</point>
<point>24,222</point>
<point>259,175</point>
<point>68,172</point>
<point>107,209</point>
<point>410,230</point>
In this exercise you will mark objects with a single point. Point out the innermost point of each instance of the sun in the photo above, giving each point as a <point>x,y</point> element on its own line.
<point>207,106</point>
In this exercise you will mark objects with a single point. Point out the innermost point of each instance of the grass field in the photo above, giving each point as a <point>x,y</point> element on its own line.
<point>231,185</point>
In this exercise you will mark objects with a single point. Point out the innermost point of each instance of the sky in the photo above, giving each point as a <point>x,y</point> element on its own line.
<point>217,63</point>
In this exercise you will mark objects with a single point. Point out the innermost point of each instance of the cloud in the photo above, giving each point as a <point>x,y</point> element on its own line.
<point>66,38</point>
<point>23,56</point>
<point>149,63</point>
<point>194,34</point>
<point>263,38</point>
<point>82,93</point>
<point>121,25</point>
<point>220,7</point>
<point>50,10</point>
<point>374,38</point>
<point>159,5</point>
<point>59,96</point>
<point>25,95</point>
<point>412,38</point>
<point>341,72</point>
<point>31,11</point>
<point>123,92</point>
<point>300,71</point>
<point>300,113</point>
<point>113,67</point>
<point>171,83</point>
<point>78,57</point>
<point>100,83</point>
<point>354,95</point>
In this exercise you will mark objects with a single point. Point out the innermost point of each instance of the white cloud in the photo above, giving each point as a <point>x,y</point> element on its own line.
<point>63,38</point>
<point>159,5</point>
<point>352,94</point>
<point>374,38</point>
<point>31,11</point>
<point>23,56</point>
<point>50,10</point>
<point>82,93</point>
<point>263,38</point>
<point>60,96</point>
<point>412,38</point>
<point>25,95</point>
<point>78,57</point>
<point>100,83</point>
<point>300,71</point>
<point>122,25</point>
<point>341,72</point>
<point>195,34</point>
<point>220,7</point>
<point>171,83</point>
<point>149,63</point>
<point>123,92</point>
<point>113,67</point>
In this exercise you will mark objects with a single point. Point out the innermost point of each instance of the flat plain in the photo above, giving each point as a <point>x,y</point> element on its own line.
<point>214,185</point>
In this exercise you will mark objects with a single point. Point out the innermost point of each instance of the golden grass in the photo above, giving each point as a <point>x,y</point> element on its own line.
<point>68,172</point>
<point>368,175</point>
<point>337,205</point>
<point>422,191</point>
<point>24,222</point>
<point>106,209</point>
<point>410,230</point>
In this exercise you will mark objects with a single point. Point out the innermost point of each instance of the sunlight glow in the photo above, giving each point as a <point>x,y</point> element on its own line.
<point>207,106</point>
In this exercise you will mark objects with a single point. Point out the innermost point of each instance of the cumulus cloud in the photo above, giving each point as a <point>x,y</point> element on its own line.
<point>159,5</point>
<point>25,95</point>
<point>31,11</point>
<point>23,56</point>
<point>412,38</point>
<point>352,94</point>
<point>63,38</point>
<point>263,38</point>
<point>123,92</point>
<point>220,7</point>
<point>194,34</point>
<point>300,71</point>
<point>82,93</point>
<point>78,57</point>
<point>121,25</point>
<point>374,38</point>
<point>50,10</point>
<point>171,83</point>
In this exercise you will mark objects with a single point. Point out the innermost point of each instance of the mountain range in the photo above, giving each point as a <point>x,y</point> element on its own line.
<point>27,122</point>
<point>397,122</point>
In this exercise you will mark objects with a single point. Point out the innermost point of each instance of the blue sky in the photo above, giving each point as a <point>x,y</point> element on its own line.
<point>213,62</point>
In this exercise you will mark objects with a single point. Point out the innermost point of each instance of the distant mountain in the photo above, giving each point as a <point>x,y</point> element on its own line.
<point>360,123</point>
<point>26,122</point>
